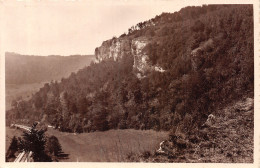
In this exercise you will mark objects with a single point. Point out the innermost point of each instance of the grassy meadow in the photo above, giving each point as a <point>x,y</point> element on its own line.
<point>108,146</point>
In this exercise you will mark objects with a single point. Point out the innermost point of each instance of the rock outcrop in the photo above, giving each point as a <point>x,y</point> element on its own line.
<point>116,48</point>
<point>210,121</point>
<point>140,57</point>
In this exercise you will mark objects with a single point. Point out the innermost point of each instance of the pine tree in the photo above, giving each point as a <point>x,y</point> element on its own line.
<point>12,148</point>
<point>34,141</point>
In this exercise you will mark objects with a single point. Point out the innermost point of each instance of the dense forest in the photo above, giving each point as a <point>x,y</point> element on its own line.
<point>26,69</point>
<point>207,53</point>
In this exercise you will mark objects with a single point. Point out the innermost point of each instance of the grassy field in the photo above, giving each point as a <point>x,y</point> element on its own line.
<point>109,146</point>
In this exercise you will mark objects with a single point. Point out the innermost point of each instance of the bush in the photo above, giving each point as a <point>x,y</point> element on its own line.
<point>53,146</point>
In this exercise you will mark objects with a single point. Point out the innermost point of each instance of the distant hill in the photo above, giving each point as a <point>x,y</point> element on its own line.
<point>26,74</point>
<point>24,69</point>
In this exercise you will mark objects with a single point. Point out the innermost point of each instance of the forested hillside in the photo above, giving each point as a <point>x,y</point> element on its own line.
<point>167,73</point>
<point>25,69</point>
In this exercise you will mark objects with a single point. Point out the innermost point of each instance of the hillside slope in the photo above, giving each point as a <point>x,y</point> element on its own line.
<point>24,69</point>
<point>229,139</point>
<point>25,75</point>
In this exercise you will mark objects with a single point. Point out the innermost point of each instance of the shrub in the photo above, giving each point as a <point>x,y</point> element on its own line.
<point>53,146</point>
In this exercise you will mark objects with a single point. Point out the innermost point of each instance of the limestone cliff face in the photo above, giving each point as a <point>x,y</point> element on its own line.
<point>140,56</point>
<point>116,48</point>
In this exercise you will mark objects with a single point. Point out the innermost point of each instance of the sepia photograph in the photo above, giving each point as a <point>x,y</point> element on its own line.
<point>128,82</point>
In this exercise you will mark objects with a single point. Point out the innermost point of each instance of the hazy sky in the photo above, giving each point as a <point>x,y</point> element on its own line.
<point>73,27</point>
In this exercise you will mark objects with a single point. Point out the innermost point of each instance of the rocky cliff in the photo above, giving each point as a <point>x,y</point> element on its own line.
<point>116,48</point>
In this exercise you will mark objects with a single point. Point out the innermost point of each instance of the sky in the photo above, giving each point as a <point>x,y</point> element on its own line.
<point>68,27</point>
